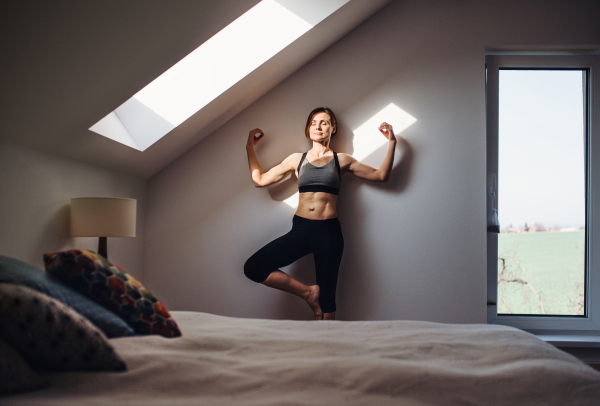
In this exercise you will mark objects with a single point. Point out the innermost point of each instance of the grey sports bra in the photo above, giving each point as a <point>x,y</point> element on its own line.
<point>326,178</point>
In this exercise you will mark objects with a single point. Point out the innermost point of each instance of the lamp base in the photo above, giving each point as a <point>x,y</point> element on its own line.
<point>102,247</point>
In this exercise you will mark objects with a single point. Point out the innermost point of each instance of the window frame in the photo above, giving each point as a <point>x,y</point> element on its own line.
<point>538,324</point>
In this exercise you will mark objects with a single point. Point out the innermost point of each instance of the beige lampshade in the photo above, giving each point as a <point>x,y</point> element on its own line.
<point>103,217</point>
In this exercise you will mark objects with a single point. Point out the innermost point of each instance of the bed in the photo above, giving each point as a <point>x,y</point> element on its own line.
<point>234,361</point>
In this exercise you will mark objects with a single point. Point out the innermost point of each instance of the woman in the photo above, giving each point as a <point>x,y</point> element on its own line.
<point>315,227</point>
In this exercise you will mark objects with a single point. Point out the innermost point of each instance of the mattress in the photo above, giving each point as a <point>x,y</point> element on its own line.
<point>234,361</point>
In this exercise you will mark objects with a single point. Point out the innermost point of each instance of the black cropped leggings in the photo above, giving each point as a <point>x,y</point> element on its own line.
<point>321,237</point>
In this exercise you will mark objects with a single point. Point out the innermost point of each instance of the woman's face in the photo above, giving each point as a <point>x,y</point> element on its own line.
<point>320,127</point>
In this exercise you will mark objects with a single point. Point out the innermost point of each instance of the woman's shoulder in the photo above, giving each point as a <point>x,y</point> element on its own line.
<point>294,159</point>
<point>296,156</point>
<point>345,159</point>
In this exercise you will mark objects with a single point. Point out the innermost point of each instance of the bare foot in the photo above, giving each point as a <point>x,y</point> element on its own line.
<point>312,298</point>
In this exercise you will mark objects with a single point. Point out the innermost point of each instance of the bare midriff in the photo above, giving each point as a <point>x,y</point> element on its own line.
<point>317,206</point>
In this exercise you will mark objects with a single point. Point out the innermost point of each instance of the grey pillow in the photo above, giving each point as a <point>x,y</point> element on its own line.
<point>15,374</point>
<point>20,273</point>
<point>52,336</point>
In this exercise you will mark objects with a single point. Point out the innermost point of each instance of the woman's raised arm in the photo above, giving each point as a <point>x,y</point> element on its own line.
<point>276,173</point>
<point>382,174</point>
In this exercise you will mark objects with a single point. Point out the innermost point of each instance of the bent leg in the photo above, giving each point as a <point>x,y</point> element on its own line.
<point>263,266</point>
<point>278,253</point>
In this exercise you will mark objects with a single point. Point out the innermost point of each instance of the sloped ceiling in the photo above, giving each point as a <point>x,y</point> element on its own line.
<point>66,64</point>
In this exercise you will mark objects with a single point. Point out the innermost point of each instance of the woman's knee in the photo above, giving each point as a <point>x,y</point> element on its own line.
<point>252,270</point>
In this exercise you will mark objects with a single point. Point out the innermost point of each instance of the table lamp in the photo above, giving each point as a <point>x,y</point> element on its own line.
<point>103,217</point>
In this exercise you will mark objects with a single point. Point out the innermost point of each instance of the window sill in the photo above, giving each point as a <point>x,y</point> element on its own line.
<point>571,341</point>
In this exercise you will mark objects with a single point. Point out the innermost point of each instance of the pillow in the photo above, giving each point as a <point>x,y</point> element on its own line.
<point>52,336</point>
<point>15,271</point>
<point>117,291</point>
<point>15,374</point>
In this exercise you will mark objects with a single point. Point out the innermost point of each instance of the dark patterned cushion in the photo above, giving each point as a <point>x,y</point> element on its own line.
<point>18,272</point>
<point>51,335</point>
<point>117,291</point>
<point>15,374</point>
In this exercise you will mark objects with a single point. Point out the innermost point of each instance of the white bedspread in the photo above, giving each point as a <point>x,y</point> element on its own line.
<point>231,361</point>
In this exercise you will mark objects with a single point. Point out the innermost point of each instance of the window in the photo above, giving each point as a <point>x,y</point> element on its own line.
<point>543,271</point>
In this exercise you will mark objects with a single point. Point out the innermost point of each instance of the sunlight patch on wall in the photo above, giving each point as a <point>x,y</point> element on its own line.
<point>211,69</point>
<point>292,201</point>
<point>367,138</point>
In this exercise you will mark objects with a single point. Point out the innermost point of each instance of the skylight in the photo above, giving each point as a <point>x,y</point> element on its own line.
<point>211,69</point>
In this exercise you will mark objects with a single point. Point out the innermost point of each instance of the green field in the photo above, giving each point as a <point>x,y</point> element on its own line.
<point>550,264</point>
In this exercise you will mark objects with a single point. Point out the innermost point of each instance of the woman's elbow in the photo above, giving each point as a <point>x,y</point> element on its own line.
<point>258,182</point>
<point>382,177</point>
<point>265,181</point>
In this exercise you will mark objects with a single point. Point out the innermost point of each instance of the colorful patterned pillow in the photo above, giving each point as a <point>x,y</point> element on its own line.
<point>18,272</point>
<point>15,374</point>
<point>52,336</point>
<point>117,291</point>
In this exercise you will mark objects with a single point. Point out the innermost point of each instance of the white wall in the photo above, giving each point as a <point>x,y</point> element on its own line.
<point>36,189</point>
<point>415,248</point>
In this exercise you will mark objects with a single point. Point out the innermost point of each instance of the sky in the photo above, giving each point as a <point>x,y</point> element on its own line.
<point>541,174</point>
